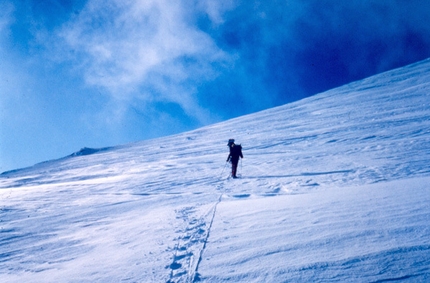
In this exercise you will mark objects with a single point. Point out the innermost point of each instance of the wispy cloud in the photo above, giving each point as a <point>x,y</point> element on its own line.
<point>147,50</point>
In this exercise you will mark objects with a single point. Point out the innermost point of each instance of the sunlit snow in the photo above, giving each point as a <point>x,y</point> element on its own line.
<point>332,188</point>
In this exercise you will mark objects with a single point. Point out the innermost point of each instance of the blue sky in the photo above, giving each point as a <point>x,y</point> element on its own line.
<point>98,73</point>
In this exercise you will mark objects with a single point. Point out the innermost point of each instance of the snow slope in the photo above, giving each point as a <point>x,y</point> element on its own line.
<point>333,188</point>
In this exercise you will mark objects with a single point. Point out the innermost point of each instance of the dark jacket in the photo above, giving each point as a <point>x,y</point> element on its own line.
<point>235,153</point>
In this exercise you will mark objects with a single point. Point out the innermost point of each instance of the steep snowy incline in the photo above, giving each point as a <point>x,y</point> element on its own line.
<point>333,188</point>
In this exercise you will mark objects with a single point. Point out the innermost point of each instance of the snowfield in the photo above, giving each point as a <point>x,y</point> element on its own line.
<point>333,188</point>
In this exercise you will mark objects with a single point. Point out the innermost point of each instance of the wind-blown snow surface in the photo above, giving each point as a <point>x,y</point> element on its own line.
<point>333,188</point>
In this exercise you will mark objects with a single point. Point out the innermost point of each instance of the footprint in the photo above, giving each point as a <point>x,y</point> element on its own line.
<point>242,196</point>
<point>175,266</point>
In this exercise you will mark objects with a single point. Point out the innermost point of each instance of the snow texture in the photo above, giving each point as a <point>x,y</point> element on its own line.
<point>332,188</point>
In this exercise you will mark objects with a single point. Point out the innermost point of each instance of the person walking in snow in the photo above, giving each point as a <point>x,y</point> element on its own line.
<point>233,157</point>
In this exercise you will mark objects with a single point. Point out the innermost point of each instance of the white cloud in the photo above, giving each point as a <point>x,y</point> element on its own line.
<point>215,9</point>
<point>129,47</point>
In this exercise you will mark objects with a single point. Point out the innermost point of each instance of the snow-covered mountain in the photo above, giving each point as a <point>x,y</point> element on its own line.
<point>333,188</point>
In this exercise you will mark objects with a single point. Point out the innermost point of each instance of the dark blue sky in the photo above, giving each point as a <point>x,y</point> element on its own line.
<point>99,73</point>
